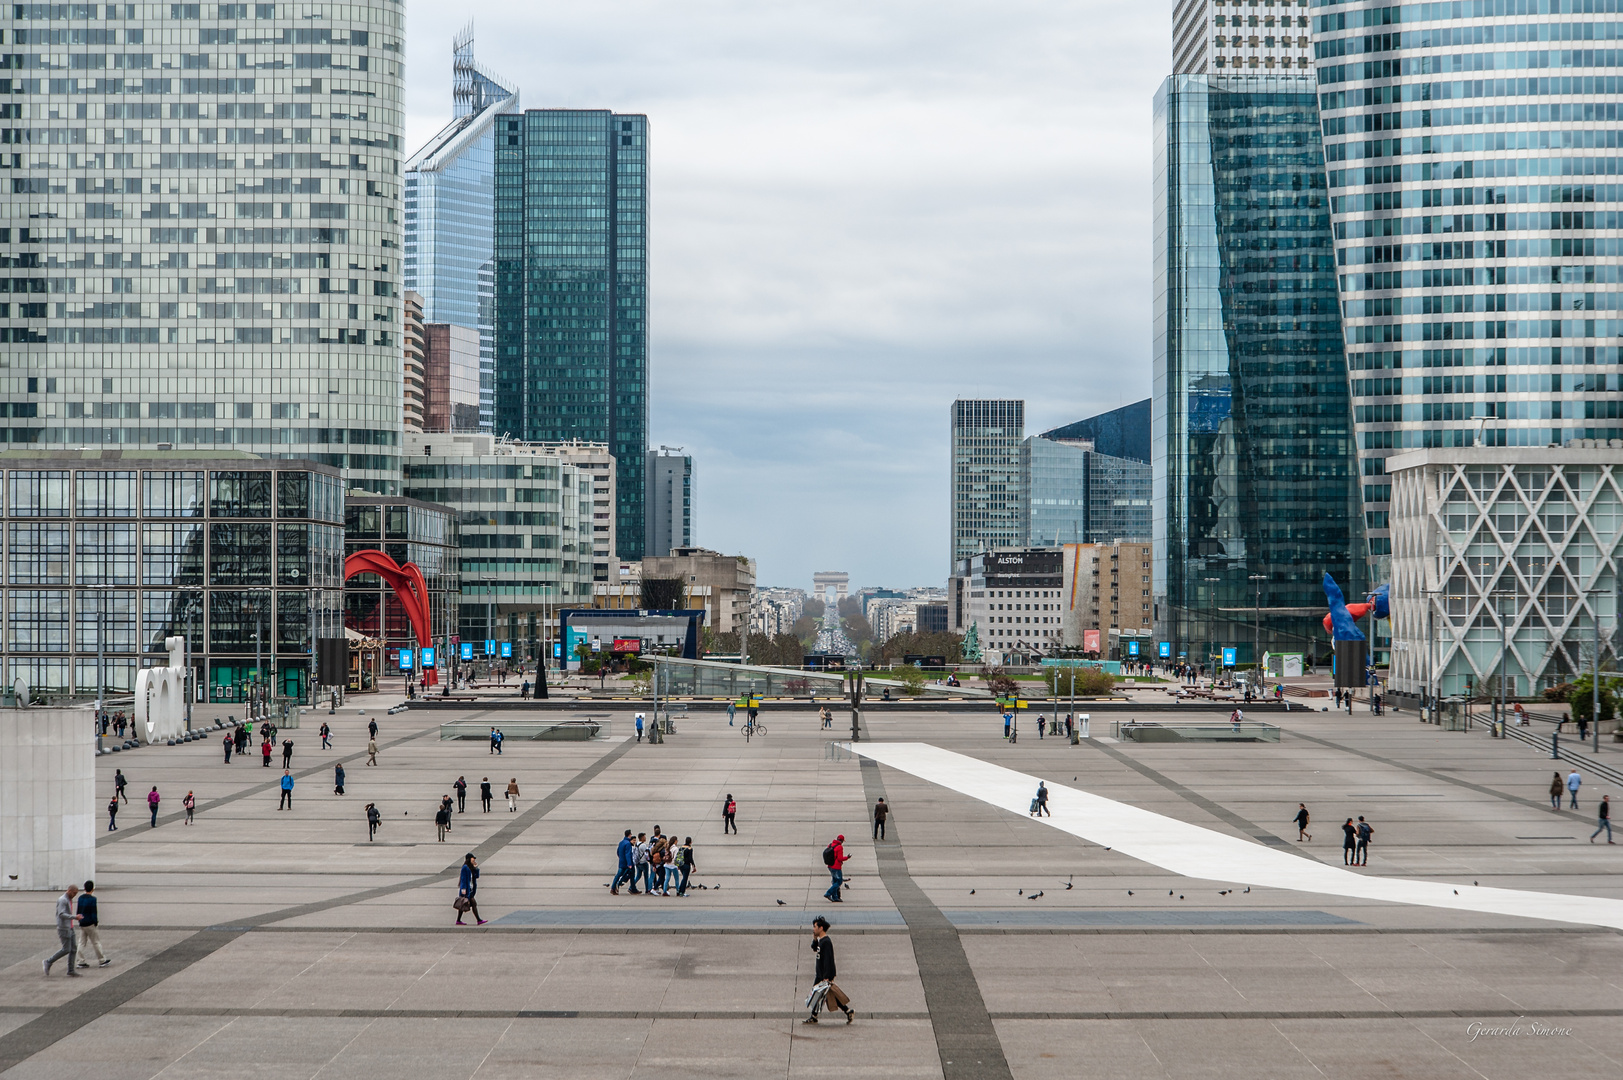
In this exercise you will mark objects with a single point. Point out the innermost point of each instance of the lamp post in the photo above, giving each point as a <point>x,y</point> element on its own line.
<point>1256,627</point>
<point>1211,630</point>
<point>1504,646</point>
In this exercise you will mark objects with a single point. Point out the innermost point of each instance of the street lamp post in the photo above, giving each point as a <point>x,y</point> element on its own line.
<point>1211,629</point>
<point>1256,627</point>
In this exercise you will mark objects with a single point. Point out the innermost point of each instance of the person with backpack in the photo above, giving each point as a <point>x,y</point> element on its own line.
<point>684,865</point>
<point>658,853</point>
<point>190,803</point>
<point>461,787</point>
<point>1361,852</point>
<point>729,810</point>
<point>373,820</point>
<point>230,744</point>
<point>639,863</point>
<point>1556,788</point>
<point>834,858</point>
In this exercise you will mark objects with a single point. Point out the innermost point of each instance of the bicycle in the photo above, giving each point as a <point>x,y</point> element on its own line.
<point>753,728</point>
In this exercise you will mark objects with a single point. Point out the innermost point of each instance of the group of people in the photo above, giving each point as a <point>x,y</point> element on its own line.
<point>117,721</point>
<point>1355,836</point>
<point>1011,726</point>
<point>78,929</point>
<point>1574,781</point>
<point>657,861</point>
<point>237,739</point>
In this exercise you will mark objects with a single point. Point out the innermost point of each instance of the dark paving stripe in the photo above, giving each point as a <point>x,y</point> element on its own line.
<point>44,1031</point>
<point>273,784</point>
<point>965,1038</point>
<point>1222,813</point>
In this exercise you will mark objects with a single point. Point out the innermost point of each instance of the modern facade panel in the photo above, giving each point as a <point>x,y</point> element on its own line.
<point>450,378</point>
<point>572,291</point>
<point>670,501</point>
<point>202,206</point>
<point>1119,494</point>
<point>988,477</point>
<point>1123,432</point>
<point>1475,191</point>
<point>1256,489</point>
<point>1014,601</point>
<point>1240,36</point>
<point>1056,484</point>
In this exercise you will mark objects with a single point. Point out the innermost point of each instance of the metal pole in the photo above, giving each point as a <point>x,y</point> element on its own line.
<point>1594,714</point>
<point>259,659</point>
<point>189,684</point>
<point>101,654</point>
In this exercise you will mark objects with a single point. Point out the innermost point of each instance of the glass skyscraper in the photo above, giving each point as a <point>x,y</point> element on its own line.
<point>572,290</point>
<point>1256,488</point>
<point>450,206</point>
<point>1474,179</point>
<point>988,477</point>
<point>224,271</point>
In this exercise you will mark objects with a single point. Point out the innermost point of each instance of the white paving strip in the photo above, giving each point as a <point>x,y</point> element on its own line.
<point>1197,852</point>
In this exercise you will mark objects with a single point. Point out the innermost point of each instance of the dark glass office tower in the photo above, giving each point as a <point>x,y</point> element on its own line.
<point>1256,486</point>
<point>572,290</point>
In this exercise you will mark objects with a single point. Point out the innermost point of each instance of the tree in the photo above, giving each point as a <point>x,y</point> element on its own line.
<point>1582,698</point>
<point>947,646</point>
<point>911,678</point>
<point>855,626</point>
<point>662,594</point>
<point>999,682</point>
<point>812,609</point>
<point>1090,681</point>
<point>805,629</point>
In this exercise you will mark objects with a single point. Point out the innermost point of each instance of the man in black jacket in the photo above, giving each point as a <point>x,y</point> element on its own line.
<point>823,948</point>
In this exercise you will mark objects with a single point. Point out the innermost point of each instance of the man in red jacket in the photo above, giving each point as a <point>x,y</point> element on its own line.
<point>834,857</point>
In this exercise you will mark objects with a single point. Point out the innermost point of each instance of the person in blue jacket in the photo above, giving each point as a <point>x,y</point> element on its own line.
<point>467,886</point>
<point>287,791</point>
<point>627,871</point>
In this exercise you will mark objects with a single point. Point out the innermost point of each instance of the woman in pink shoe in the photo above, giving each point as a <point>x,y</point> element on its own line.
<point>467,886</point>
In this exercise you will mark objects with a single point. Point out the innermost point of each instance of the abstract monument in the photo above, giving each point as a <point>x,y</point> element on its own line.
<point>160,696</point>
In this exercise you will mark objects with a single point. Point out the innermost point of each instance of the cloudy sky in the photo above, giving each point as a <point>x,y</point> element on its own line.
<point>860,211</point>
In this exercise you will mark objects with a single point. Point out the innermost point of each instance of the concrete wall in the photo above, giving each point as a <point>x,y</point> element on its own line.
<point>47,798</point>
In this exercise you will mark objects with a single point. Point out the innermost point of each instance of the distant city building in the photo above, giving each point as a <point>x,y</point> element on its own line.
<point>1109,589</point>
<point>1123,432</point>
<point>527,515</point>
<point>1076,495</point>
<point>1504,559</point>
<point>450,208</point>
<point>1255,479</point>
<point>669,500</point>
<point>451,377</point>
<point>1014,599</point>
<point>988,487</point>
<point>932,617</point>
<point>571,247</point>
<point>775,611</point>
<point>1120,494</point>
<point>415,388</point>
<point>889,617</point>
<point>720,584</point>
<point>1241,36</point>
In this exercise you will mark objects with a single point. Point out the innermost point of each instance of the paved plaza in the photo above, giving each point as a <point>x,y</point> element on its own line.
<point>263,942</point>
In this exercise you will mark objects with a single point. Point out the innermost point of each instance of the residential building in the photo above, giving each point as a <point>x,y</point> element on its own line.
<point>229,283</point>
<point>415,387</point>
<point>1015,599</point>
<point>1255,480</point>
<point>988,493</point>
<point>527,514</point>
<point>719,584</point>
<point>775,611</point>
<point>1123,432</point>
<point>1108,598</point>
<point>1234,36</point>
<point>108,552</point>
<point>1478,257</point>
<point>450,211</point>
<point>451,377</point>
<point>572,291</point>
<point>1074,494</point>
<point>1504,567</point>
<point>670,500</point>
<point>407,530</point>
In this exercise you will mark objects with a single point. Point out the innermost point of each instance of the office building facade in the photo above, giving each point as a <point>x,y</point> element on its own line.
<point>571,244</point>
<point>1241,36</point>
<point>670,501</point>
<point>450,378</point>
<point>1109,601</point>
<point>1075,495</point>
<point>1478,208</point>
<point>202,207</point>
<point>407,530</point>
<point>450,189</point>
<point>1255,482</point>
<point>988,478</point>
<point>1014,599</point>
<point>1123,432</point>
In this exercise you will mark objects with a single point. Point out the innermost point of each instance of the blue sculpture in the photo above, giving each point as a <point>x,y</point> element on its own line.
<point>1379,599</point>
<point>1342,625</point>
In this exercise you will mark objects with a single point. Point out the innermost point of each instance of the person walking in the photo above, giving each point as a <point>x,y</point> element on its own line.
<point>1039,805</point>
<point>639,864</point>
<point>880,813</point>
<point>286,802</point>
<point>1008,718</point>
<point>512,795</point>
<point>834,858</point>
<point>1603,819</point>
<point>372,728</point>
<point>732,708</point>
<point>265,750</point>
<point>625,865</point>
<point>89,927</point>
<point>1574,782</point>
<point>1556,787</point>
<point>112,815</point>
<point>373,819</point>
<point>442,821</point>
<point>729,810</point>
<point>118,784</point>
<point>467,886</point>
<point>287,753</point>
<point>372,751</point>
<point>66,918</point>
<point>326,736</point>
<point>1041,724</point>
<point>493,741</point>
<point>500,738</point>
<point>461,787</point>
<point>190,805</point>
<point>684,864</point>
<point>1302,818</point>
<point>1236,718</point>
<point>230,744</point>
<point>484,793</point>
<point>153,799</point>
<point>1361,852</point>
<point>1349,842</point>
<point>824,989</point>
<point>338,779</point>
<point>639,727</point>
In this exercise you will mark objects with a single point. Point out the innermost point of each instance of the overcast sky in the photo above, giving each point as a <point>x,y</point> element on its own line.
<point>860,211</point>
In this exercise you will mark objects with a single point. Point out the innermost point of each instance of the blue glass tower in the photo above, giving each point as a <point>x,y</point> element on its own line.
<point>572,290</point>
<point>1256,485</point>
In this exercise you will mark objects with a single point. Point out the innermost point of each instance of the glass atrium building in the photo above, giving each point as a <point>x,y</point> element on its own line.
<point>572,291</point>
<point>450,205</point>
<point>1476,186</point>
<point>1255,481</point>
<point>201,229</point>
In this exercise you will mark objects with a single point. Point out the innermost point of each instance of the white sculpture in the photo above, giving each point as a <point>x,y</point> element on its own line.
<point>160,696</point>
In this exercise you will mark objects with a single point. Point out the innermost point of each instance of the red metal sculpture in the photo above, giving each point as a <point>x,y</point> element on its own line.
<point>407,583</point>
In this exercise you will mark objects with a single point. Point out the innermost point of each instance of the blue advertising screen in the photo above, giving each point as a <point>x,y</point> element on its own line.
<point>1166,650</point>
<point>1231,657</point>
<point>1132,648</point>
<point>405,659</point>
<point>467,650</point>
<point>507,649</point>
<point>428,658</point>
<point>490,646</point>
<point>557,649</point>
